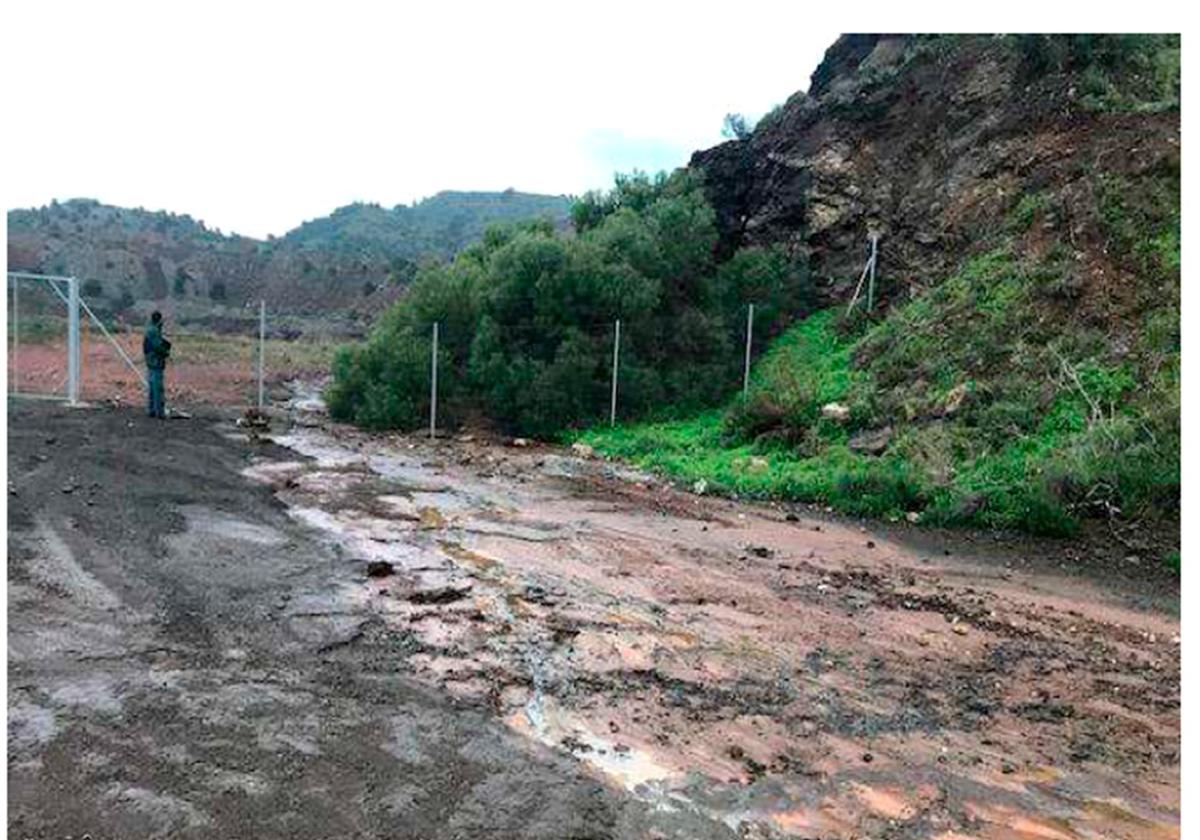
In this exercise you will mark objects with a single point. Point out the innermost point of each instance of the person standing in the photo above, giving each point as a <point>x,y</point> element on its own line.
<point>156,349</point>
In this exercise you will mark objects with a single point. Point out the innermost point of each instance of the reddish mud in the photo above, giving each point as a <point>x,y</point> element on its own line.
<point>213,370</point>
<point>800,677</point>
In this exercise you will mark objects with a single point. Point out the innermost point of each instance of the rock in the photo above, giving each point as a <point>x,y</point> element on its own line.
<point>954,399</point>
<point>379,568</point>
<point>520,442</point>
<point>836,412</point>
<point>1007,768</point>
<point>574,745</point>
<point>537,595</point>
<point>430,518</point>
<point>440,594</point>
<point>872,442</point>
<point>913,517</point>
<point>254,419</point>
<point>700,487</point>
<point>583,450</point>
<point>972,505</point>
<point>960,629</point>
<point>758,465</point>
<point>468,438</point>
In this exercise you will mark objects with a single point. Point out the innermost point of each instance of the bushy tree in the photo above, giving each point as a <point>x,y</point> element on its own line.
<point>735,127</point>
<point>526,318</point>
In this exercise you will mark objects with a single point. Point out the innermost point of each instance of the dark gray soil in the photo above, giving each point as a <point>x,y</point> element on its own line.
<point>179,667</point>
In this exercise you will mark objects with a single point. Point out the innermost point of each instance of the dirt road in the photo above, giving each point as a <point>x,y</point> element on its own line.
<point>561,649</point>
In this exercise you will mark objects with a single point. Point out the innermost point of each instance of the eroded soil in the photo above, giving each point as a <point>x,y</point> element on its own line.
<point>562,649</point>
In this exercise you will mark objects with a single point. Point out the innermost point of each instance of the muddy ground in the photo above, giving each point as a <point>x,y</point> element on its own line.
<point>553,647</point>
<point>206,369</point>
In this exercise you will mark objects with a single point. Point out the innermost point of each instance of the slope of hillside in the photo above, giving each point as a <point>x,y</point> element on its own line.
<point>442,224</point>
<point>349,264</point>
<point>1021,367</point>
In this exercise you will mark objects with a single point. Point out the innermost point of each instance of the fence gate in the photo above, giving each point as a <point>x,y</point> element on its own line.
<point>43,331</point>
<point>46,323</point>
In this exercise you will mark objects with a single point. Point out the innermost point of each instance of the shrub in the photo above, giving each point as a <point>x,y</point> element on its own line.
<point>527,316</point>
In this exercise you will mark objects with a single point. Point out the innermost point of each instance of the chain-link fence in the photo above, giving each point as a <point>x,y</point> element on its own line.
<point>241,365</point>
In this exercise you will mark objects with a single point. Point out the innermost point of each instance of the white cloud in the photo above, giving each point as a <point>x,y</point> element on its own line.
<point>256,116</point>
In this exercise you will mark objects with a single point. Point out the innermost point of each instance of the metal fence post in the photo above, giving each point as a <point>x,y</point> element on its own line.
<point>73,340</point>
<point>433,385</point>
<point>262,349</point>
<point>871,281</point>
<point>16,283</point>
<point>612,412</point>
<point>749,335</point>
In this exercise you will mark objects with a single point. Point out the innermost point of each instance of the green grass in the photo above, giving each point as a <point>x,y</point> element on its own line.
<point>211,348</point>
<point>1027,211</point>
<point>37,328</point>
<point>1045,427</point>
<point>1173,562</point>
<point>695,449</point>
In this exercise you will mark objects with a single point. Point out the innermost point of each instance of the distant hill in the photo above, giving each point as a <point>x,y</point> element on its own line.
<point>345,266</point>
<point>443,224</point>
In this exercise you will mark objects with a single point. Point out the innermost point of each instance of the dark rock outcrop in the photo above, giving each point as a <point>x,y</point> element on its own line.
<point>926,141</point>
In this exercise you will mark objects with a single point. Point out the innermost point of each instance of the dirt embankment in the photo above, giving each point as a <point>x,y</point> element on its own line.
<point>551,647</point>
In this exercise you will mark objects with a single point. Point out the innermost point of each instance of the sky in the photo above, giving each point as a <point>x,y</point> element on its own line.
<point>257,116</point>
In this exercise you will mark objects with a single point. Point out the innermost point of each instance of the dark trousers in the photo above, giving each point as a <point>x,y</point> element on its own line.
<point>157,406</point>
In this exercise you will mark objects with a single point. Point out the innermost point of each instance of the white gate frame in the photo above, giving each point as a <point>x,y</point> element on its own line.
<point>74,303</point>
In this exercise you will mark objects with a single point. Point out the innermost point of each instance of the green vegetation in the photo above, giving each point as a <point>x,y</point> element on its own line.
<point>735,127</point>
<point>998,414</point>
<point>1116,72</point>
<point>1032,387</point>
<point>1173,562</point>
<point>440,225</point>
<point>526,318</point>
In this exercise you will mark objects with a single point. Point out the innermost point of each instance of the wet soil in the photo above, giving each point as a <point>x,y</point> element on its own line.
<point>182,662</point>
<point>562,648</point>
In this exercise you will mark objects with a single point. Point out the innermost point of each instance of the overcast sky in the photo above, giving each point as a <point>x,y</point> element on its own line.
<point>257,116</point>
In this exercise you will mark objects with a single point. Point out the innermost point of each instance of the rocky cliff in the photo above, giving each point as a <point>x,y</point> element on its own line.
<point>1021,366</point>
<point>932,141</point>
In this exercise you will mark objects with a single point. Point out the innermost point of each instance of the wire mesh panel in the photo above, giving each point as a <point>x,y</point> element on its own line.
<point>40,325</point>
<point>96,354</point>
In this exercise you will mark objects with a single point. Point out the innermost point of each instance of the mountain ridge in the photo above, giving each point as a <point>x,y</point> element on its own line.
<point>353,261</point>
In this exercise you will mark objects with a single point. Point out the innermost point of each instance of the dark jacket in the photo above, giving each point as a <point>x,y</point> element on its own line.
<point>155,347</point>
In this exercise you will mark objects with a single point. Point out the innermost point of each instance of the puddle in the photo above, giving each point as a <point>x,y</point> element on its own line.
<point>632,769</point>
